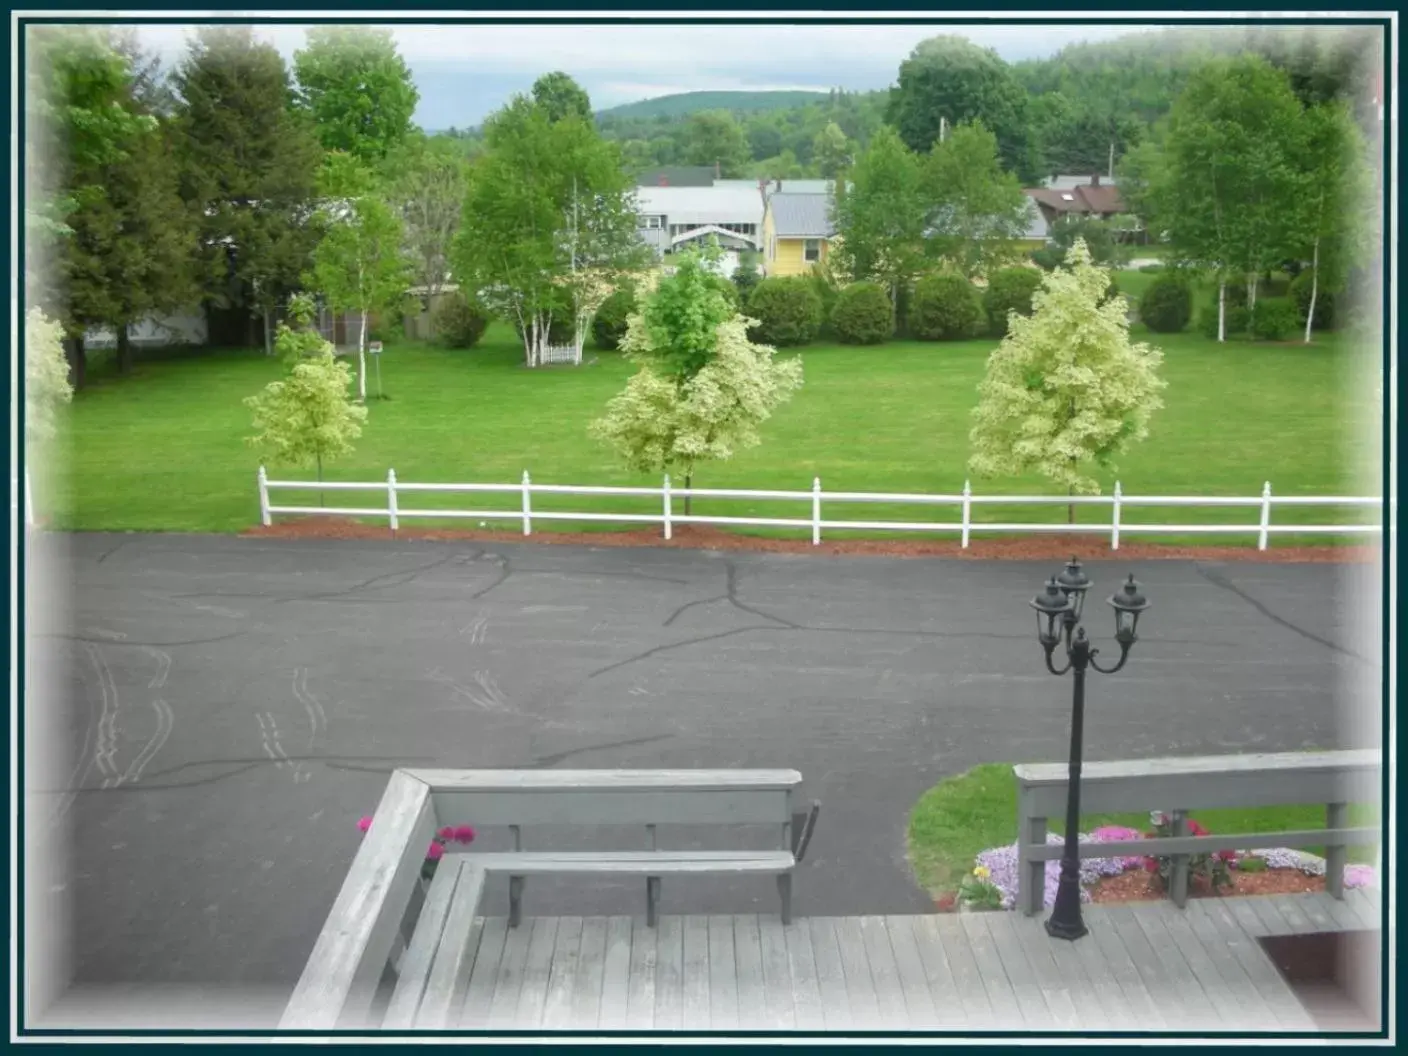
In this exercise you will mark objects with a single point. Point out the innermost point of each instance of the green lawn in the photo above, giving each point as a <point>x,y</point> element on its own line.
<point>977,810</point>
<point>164,450</point>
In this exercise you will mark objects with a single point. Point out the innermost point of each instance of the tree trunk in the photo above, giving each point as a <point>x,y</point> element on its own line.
<point>688,483</point>
<point>1222,310</point>
<point>1314,288</point>
<point>1252,281</point>
<point>362,356</point>
<point>1070,506</point>
<point>268,336</point>
<point>77,362</point>
<point>124,350</point>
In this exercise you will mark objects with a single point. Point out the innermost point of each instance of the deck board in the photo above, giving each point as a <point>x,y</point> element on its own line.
<point>1141,967</point>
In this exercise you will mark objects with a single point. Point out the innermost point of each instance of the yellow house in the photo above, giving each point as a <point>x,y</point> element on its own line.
<point>797,232</point>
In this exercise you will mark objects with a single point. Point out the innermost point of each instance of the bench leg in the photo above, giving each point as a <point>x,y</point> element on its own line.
<point>784,889</point>
<point>652,901</point>
<point>515,901</point>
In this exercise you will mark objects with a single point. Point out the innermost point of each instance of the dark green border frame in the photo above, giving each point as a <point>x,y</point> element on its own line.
<point>997,14</point>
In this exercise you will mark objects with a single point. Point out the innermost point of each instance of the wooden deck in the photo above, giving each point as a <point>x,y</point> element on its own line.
<point>1144,967</point>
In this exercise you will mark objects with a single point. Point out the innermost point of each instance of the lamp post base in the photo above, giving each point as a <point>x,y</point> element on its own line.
<point>1070,930</point>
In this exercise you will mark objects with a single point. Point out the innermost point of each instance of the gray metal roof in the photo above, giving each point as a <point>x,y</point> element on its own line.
<point>802,215</point>
<point>1036,222</point>
<point>698,206</point>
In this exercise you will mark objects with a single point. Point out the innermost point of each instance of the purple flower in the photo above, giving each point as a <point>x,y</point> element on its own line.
<point>1360,876</point>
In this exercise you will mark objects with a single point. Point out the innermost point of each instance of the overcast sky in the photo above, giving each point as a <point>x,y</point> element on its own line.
<point>466,72</point>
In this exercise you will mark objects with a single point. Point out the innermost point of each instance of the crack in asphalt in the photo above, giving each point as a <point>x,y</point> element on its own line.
<point>677,645</point>
<point>730,595</point>
<point>148,645</point>
<point>389,579</point>
<point>113,549</point>
<point>242,766</point>
<point>1218,580</point>
<point>557,757</point>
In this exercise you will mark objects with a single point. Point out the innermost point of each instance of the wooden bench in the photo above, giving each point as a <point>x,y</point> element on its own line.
<point>1177,786</point>
<point>649,798</point>
<point>366,926</point>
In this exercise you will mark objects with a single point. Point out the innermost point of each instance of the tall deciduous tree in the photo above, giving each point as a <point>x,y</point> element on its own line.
<point>714,138</point>
<point>548,224</point>
<point>358,264</point>
<point>977,211</point>
<point>307,418</point>
<point>1226,184</point>
<point>703,389</point>
<point>125,248</point>
<point>1066,387</point>
<point>881,218</point>
<point>561,96</point>
<point>1333,201</point>
<point>357,89</point>
<point>427,188</point>
<point>249,166</point>
<point>950,79</point>
<point>831,150</point>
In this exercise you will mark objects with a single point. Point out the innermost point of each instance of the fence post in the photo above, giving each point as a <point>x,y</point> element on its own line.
<point>967,511</point>
<point>1178,870</point>
<point>816,511</point>
<point>264,517</point>
<point>392,509</point>
<point>28,501</point>
<point>665,493</point>
<point>1115,524</point>
<point>1265,516</point>
<point>527,505</point>
<point>1336,817</point>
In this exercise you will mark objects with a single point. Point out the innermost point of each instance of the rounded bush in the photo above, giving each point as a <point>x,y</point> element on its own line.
<point>1236,295</point>
<point>746,276</point>
<point>861,315</point>
<point>945,307</point>
<point>1238,319</point>
<point>788,311</point>
<point>609,323</point>
<point>1273,320</point>
<point>1009,290</point>
<point>1167,305</point>
<point>458,322</point>
<point>1324,302</point>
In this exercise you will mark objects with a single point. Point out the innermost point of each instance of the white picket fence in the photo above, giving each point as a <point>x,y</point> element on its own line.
<point>394,512</point>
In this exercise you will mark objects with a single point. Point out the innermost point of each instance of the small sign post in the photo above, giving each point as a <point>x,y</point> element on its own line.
<point>374,349</point>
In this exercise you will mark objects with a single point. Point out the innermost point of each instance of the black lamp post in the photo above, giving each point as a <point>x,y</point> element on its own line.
<point>1063,600</point>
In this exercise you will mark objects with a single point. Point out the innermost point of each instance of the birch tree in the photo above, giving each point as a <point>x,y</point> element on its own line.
<point>1333,198</point>
<point>702,390</point>
<point>548,222</point>
<point>1225,189</point>
<point>307,418</point>
<point>1066,387</point>
<point>358,264</point>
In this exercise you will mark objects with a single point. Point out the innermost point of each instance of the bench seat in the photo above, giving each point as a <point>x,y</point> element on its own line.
<point>639,863</point>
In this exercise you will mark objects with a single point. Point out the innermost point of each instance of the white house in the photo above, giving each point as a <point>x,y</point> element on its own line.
<point>671,218</point>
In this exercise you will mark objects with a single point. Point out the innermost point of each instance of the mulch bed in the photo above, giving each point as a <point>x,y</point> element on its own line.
<point>1052,547</point>
<point>1140,886</point>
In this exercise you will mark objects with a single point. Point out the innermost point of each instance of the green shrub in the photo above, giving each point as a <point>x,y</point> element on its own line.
<point>1009,290</point>
<point>1236,295</point>
<point>1324,302</point>
<point>746,276</point>
<point>862,314</point>
<point>458,322</point>
<point>609,323</point>
<point>1111,291</point>
<point>788,312</point>
<point>827,289</point>
<point>1273,319</point>
<point>945,307</point>
<point>1167,305</point>
<point>1238,319</point>
<point>1150,269</point>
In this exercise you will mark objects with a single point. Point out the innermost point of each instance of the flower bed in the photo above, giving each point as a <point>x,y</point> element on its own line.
<point>993,883</point>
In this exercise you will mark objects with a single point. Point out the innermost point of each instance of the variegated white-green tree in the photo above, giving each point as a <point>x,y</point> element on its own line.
<point>703,389</point>
<point>1067,387</point>
<point>308,418</point>
<point>46,384</point>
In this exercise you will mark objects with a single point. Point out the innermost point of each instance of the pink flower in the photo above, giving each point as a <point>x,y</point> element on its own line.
<point>446,833</point>
<point>365,823</point>
<point>462,834</point>
<point>435,852</point>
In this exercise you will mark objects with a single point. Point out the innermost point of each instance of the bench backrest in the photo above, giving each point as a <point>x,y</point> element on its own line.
<point>612,797</point>
<point>1203,782</point>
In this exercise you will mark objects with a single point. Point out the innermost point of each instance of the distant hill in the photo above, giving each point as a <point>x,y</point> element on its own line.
<point>695,102</point>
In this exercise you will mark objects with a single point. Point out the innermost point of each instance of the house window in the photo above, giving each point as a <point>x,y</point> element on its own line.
<point>811,250</point>
<point>650,223</point>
